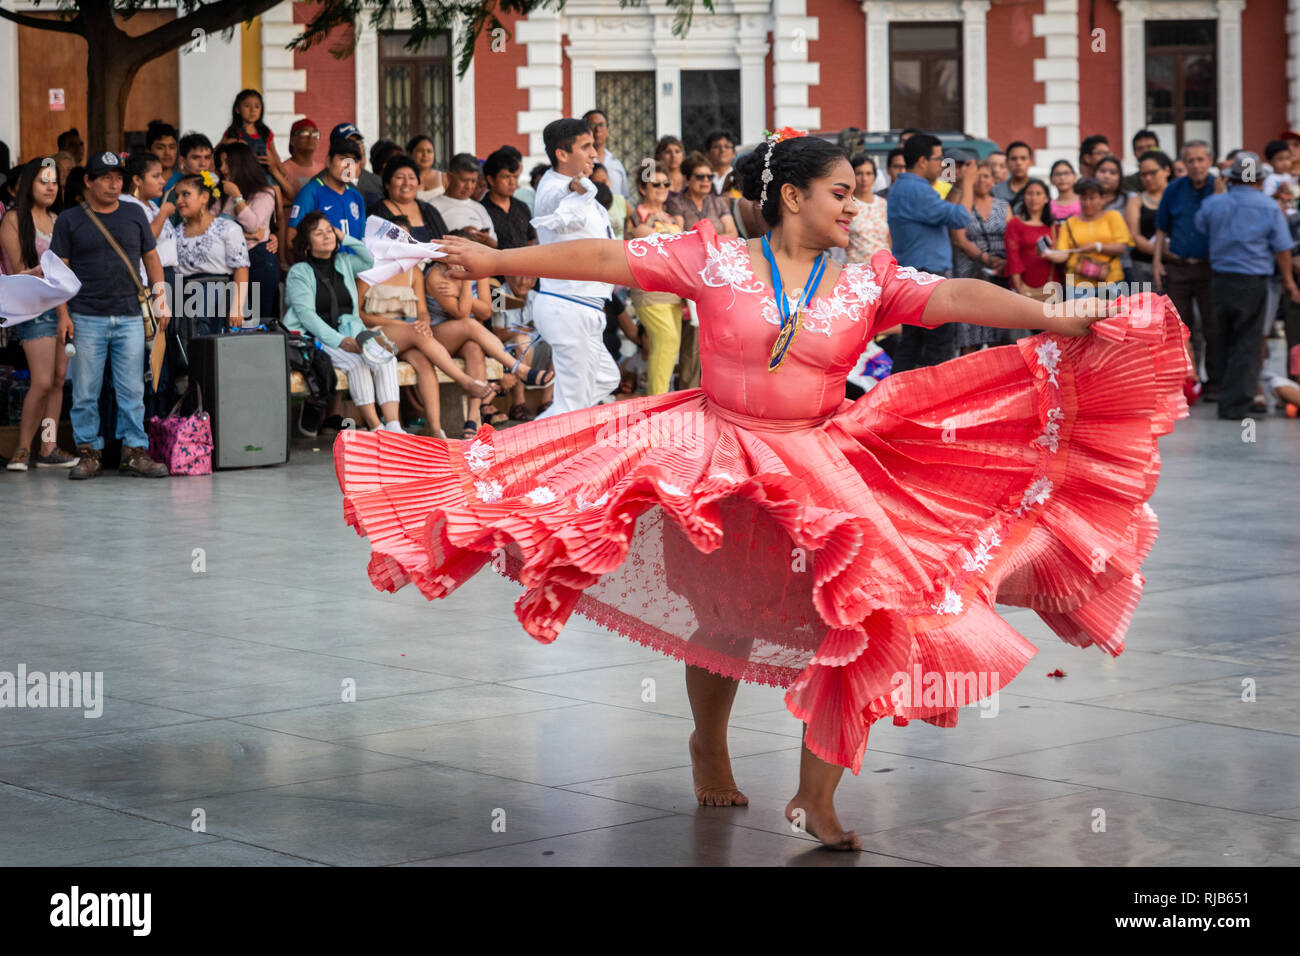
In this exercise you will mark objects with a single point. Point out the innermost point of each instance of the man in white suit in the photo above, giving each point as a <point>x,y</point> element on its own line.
<point>569,314</point>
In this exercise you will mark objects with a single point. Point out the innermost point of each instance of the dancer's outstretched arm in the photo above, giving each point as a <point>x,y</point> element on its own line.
<point>593,260</point>
<point>983,303</point>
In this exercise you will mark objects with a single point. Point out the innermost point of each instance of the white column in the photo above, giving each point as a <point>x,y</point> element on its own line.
<point>464,129</point>
<point>668,93</point>
<point>1293,64</point>
<point>975,67</point>
<point>752,47</point>
<point>792,73</point>
<point>10,98</point>
<point>1058,70</point>
<point>543,78</point>
<point>211,74</point>
<point>1133,17</point>
<point>365,78</point>
<point>1230,63</point>
<point>878,16</point>
<point>280,81</point>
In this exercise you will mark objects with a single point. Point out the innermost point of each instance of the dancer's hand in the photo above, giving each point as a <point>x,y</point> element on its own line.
<point>467,259</point>
<point>1076,316</point>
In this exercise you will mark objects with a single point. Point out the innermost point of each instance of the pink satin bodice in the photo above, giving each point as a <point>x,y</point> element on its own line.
<point>739,321</point>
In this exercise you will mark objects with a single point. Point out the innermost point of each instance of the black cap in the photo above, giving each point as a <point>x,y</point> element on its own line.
<point>105,162</point>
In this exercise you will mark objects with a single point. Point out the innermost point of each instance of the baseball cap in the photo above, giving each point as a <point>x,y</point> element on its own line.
<point>1245,162</point>
<point>345,131</point>
<point>303,123</point>
<point>100,163</point>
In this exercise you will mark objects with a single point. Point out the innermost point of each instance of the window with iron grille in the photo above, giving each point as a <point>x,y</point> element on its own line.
<point>627,98</point>
<point>415,91</point>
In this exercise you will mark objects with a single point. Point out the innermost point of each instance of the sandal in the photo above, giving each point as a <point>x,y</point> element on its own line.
<point>470,429</point>
<point>520,413</point>
<point>536,377</point>
<point>491,415</point>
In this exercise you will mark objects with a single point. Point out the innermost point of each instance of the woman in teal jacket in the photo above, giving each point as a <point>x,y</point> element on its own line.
<point>321,300</point>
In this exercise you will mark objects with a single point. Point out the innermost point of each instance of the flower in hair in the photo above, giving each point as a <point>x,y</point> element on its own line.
<point>773,137</point>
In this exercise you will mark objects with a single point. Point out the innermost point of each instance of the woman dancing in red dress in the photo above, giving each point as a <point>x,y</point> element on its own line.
<point>762,527</point>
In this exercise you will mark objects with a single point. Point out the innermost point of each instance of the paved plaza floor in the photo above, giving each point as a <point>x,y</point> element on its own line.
<point>231,614</point>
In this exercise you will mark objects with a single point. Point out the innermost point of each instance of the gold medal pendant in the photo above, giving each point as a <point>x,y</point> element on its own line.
<point>781,347</point>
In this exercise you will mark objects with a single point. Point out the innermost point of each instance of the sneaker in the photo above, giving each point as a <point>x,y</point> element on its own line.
<point>19,461</point>
<point>56,459</point>
<point>332,424</point>
<point>309,419</point>
<point>87,465</point>
<point>136,462</point>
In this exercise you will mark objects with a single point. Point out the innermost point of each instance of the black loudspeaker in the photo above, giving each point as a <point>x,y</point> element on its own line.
<point>245,381</point>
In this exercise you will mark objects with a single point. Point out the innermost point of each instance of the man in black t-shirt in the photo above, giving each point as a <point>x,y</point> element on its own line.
<point>511,219</point>
<point>103,319</point>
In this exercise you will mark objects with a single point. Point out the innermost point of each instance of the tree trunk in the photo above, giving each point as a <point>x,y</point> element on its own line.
<point>108,78</point>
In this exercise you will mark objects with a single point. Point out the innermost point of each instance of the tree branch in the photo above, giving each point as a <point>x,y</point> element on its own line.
<point>75,25</point>
<point>212,18</point>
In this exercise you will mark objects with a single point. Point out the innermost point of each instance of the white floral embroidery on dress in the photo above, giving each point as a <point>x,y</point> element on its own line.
<point>583,504</point>
<point>671,489</point>
<point>479,456</point>
<point>728,265</point>
<point>1049,357</point>
<point>542,495</point>
<point>951,603</point>
<point>489,491</point>
<point>641,247</point>
<point>1051,436</point>
<point>982,554</point>
<point>920,278</point>
<point>1036,494</point>
<point>852,296</point>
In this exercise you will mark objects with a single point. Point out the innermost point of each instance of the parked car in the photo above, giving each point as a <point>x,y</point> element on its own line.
<point>877,145</point>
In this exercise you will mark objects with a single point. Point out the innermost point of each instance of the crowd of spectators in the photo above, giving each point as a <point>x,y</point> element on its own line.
<point>240,237</point>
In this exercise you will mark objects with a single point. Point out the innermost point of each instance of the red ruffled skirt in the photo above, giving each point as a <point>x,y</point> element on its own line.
<point>854,560</point>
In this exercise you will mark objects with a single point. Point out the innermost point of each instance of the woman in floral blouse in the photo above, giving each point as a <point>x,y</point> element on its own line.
<point>869,229</point>
<point>211,260</point>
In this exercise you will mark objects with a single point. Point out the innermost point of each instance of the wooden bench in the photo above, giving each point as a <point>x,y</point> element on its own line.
<point>453,400</point>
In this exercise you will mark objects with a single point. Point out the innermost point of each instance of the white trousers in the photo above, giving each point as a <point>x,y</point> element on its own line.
<point>366,380</point>
<point>584,370</point>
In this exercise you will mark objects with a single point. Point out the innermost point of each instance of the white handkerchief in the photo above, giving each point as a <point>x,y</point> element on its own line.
<point>23,298</point>
<point>395,250</point>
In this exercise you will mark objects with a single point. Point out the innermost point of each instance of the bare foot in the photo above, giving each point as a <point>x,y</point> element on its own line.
<point>820,820</point>
<point>714,784</point>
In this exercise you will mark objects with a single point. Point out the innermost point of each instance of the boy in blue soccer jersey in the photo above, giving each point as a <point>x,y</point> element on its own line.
<point>333,192</point>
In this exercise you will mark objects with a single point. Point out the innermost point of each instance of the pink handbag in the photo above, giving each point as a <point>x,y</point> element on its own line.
<point>183,442</point>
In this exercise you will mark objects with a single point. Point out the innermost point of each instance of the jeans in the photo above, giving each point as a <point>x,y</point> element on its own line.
<point>1239,307</point>
<point>119,339</point>
<point>264,284</point>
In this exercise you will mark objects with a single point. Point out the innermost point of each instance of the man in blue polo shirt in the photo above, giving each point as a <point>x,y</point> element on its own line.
<point>1246,234</point>
<point>333,192</point>
<point>1181,270</point>
<point>918,228</point>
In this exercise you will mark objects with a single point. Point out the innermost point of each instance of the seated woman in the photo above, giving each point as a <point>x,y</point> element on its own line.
<point>456,312</point>
<point>400,311</point>
<point>321,300</point>
<point>211,260</point>
<point>512,323</point>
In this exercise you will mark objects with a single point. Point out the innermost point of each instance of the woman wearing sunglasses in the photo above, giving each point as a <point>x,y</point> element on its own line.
<point>660,313</point>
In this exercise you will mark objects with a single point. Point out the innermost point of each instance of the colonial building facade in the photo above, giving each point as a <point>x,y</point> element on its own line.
<point>1048,72</point>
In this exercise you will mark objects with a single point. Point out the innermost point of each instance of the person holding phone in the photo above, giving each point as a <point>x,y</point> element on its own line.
<point>1031,235</point>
